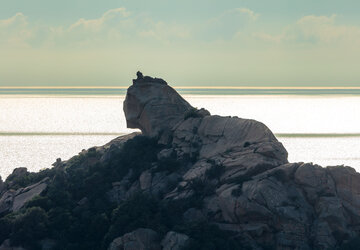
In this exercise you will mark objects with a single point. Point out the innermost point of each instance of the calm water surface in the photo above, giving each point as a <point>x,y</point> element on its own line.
<point>35,130</point>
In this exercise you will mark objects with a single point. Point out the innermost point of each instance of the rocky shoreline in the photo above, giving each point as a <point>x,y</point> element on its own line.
<point>190,180</point>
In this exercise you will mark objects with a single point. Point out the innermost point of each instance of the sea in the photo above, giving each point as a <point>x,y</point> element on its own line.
<point>40,124</point>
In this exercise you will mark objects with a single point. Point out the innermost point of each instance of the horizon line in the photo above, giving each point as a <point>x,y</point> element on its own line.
<point>186,87</point>
<point>281,135</point>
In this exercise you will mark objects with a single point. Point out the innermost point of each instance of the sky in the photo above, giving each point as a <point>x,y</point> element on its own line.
<point>186,42</point>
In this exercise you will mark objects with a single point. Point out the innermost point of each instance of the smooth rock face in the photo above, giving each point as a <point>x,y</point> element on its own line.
<point>153,106</point>
<point>14,200</point>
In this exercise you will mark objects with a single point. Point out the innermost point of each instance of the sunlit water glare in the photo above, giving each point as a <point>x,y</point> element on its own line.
<point>73,123</point>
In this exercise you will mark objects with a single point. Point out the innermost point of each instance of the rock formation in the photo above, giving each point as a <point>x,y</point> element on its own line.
<point>153,106</point>
<point>206,171</point>
<point>13,200</point>
<point>257,192</point>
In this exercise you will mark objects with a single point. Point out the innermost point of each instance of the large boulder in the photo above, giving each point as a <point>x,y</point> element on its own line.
<point>244,147</point>
<point>153,106</point>
<point>12,201</point>
<point>246,183</point>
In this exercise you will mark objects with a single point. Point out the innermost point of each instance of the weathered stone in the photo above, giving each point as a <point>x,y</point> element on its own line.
<point>153,107</point>
<point>283,173</point>
<point>259,195</point>
<point>140,239</point>
<point>322,235</point>
<point>28,193</point>
<point>14,200</point>
<point>292,236</point>
<point>174,241</point>
<point>347,182</point>
<point>315,181</point>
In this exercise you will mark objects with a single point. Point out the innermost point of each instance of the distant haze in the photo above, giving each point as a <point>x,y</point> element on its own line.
<point>188,43</point>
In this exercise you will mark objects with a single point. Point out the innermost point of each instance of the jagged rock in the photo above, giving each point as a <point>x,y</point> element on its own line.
<point>174,241</point>
<point>14,200</point>
<point>230,172</point>
<point>140,239</point>
<point>243,147</point>
<point>259,195</point>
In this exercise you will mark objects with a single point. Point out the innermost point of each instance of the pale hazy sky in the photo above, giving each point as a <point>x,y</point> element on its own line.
<point>186,42</point>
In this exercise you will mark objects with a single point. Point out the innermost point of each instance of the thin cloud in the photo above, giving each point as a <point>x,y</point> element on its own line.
<point>251,14</point>
<point>15,31</point>
<point>164,32</point>
<point>17,18</point>
<point>96,24</point>
<point>313,29</point>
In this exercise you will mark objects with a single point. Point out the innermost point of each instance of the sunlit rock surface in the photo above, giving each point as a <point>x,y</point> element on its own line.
<point>233,172</point>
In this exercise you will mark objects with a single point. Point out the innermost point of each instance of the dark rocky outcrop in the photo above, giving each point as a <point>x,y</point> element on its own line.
<point>13,200</point>
<point>193,179</point>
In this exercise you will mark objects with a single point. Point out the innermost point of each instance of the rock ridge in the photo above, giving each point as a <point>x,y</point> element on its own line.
<point>190,180</point>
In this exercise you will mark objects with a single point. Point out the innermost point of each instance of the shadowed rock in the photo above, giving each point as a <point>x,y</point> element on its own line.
<point>13,200</point>
<point>245,147</point>
<point>205,170</point>
<point>257,192</point>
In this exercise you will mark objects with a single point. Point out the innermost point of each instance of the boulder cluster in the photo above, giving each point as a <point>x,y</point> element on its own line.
<point>235,168</point>
<point>258,194</point>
